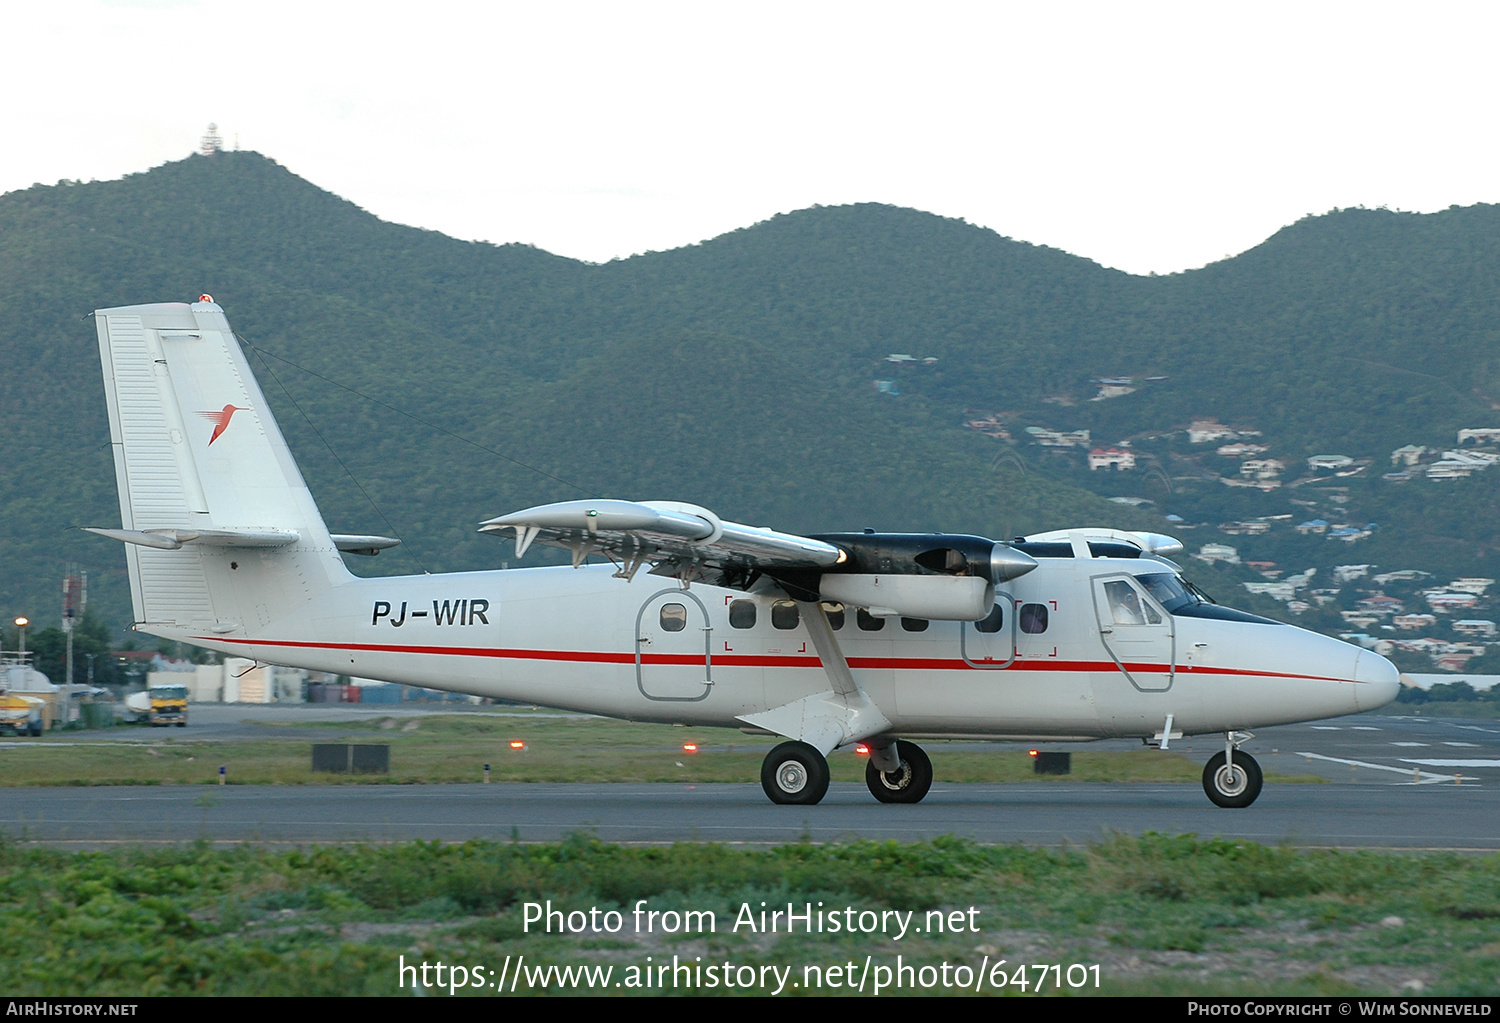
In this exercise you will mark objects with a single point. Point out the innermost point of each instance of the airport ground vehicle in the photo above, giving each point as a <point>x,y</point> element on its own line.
<point>160,705</point>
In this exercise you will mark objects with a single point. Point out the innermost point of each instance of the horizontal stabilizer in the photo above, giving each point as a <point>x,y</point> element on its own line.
<point>174,539</point>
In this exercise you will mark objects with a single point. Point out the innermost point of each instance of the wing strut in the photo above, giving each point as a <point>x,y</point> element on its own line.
<point>834,717</point>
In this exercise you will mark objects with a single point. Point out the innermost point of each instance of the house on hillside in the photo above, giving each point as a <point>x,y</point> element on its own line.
<point>1380,604</point>
<point>1411,454</point>
<point>1262,468</point>
<point>1479,436</point>
<point>1475,627</point>
<point>1212,552</point>
<point>1204,431</point>
<point>1058,438</point>
<point>1329,463</point>
<point>1471,584</point>
<point>1443,601</point>
<point>1405,575</point>
<point>1111,458</point>
<point>1415,622</point>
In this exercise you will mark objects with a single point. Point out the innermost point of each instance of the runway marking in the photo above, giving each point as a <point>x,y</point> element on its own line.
<point>1476,728</point>
<point>1365,728</point>
<point>1470,745</point>
<point>1456,763</point>
<point>1427,777</point>
<point>1408,744</point>
<point>1327,728</point>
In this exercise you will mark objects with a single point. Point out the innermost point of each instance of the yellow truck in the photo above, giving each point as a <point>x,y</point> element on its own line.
<point>160,705</point>
<point>21,715</point>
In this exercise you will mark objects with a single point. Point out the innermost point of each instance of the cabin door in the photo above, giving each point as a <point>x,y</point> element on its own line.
<point>673,647</point>
<point>1136,632</point>
<point>991,641</point>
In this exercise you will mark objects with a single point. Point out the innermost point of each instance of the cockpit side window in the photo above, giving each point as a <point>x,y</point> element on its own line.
<point>1126,606</point>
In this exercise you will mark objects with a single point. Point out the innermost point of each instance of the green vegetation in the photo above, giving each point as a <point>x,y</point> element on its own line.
<point>455,749</point>
<point>738,373</point>
<point>1157,915</point>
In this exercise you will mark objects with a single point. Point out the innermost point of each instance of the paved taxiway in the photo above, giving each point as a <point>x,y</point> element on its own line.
<point>1397,782</point>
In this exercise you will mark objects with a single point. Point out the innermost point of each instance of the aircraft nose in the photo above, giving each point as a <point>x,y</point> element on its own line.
<point>1376,681</point>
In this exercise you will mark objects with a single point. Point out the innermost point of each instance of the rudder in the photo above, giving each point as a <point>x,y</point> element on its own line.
<point>221,531</point>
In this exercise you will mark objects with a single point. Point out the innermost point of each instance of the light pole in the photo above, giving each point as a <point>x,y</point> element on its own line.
<point>21,624</point>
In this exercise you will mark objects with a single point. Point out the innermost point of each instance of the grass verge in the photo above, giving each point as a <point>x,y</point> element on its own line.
<point>1154,915</point>
<point>445,749</point>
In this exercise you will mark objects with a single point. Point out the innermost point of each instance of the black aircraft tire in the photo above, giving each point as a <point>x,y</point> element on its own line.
<point>908,783</point>
<point>1232,789</point>
<point>794,773</point>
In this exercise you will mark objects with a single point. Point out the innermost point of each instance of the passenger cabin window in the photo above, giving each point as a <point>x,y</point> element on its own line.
<point>868,622</point>
<point>742,614</point>
<point>673,617</point>
<point>784,615</point>
<point>1033,618</point>
<point>914,624</point>
<point>992,622</point>
<point>835,613</point>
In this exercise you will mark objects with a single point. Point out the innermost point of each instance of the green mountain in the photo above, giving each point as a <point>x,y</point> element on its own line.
<point>426,383</point>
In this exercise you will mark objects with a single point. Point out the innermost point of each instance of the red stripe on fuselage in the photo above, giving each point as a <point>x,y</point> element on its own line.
<point>759,660</point>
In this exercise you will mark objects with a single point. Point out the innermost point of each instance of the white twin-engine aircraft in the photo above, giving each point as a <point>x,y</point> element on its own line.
<point>828,641</point>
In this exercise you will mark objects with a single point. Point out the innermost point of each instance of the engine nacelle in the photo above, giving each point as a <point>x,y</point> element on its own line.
<point>943,598</point>
<point>930,554</point>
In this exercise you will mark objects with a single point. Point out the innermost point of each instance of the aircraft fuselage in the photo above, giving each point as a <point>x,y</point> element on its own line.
<point>650,650</point>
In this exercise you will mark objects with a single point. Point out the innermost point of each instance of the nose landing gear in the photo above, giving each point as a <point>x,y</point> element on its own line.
<point>1232,779</point>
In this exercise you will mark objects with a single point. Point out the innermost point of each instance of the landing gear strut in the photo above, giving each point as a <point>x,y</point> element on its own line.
<point>908,783</point>
<point>794,773</point>
<point>1232,778</point>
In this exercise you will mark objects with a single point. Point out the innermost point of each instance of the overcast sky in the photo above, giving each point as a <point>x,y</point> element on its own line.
<point>1149,137</point>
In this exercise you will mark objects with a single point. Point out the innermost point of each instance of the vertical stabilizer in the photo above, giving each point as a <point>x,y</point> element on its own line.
<point>222,533</point>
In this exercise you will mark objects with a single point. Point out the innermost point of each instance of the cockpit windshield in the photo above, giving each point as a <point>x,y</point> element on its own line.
<point>1169,591</point>
<point>1182,598</point>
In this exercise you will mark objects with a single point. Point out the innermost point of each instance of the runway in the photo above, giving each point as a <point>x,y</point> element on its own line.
<point>1394,784</point>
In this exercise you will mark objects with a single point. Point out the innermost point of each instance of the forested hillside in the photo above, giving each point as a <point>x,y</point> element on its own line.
<point>741,373</point>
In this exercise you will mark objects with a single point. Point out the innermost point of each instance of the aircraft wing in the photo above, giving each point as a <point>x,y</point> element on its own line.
<point>681,540</point>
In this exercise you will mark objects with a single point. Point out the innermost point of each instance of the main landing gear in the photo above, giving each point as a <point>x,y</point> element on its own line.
<point>908,783</point>
<point>795,773</point>
<point>1232,778</point>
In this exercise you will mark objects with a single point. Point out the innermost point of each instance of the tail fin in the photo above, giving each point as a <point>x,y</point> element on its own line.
<point>222,533</point>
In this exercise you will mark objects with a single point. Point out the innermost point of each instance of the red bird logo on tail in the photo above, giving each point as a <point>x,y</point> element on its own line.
<point>221,419</point>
